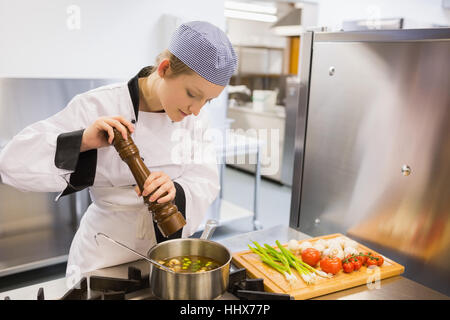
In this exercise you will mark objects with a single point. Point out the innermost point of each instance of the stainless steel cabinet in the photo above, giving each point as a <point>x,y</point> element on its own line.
<point>376,161</point>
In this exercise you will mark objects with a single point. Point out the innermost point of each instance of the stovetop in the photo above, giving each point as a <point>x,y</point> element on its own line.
<point>136,287</point>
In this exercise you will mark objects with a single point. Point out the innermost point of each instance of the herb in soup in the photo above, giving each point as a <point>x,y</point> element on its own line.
<point>190,264</point>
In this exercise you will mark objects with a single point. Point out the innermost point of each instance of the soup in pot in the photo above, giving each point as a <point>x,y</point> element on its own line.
<point>190,264</point>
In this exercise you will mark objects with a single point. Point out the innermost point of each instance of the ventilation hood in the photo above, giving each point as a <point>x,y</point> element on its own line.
<point>300,17</point>
<point>290,24</point>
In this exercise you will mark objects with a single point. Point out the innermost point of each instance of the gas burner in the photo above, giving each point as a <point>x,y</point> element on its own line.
<point>106,288</point>
<point>78,291</point>
<point>251,289</point>
<point>40,295</point>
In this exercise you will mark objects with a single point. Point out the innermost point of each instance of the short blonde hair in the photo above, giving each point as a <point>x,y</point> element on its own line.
<point>176,66</point>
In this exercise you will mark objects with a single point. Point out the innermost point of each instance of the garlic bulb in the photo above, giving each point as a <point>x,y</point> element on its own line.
<point>340,254</point>
<point>322,242</point>
<point>341,241</point>
<point>350,250</point>
<point>333,243</point>
<point>334,246</point>
<point>336,251</point>
<point>293,245</point>
<point>319,247</point>
<point>350,244</point>
<point>305,245</point>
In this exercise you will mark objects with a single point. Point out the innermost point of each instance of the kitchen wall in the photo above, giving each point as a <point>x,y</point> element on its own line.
<point>90,39</point>
<point>95,39</point>
<point>417,13</point>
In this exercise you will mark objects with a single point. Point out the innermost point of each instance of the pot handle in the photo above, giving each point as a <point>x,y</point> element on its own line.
<point>134,251</point>
<point>210,227</point>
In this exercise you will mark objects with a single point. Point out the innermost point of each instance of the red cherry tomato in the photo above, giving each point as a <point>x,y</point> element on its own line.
<point>362,256</point>
<point>379,259</point>
<point>371,261</point>
<point>348,266</point>
<point>311,256</point>
<point>357,264</point>
<point>331,264</point>
<point>355,260</point>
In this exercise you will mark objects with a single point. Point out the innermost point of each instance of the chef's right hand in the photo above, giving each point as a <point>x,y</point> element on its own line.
<point>94,136</point>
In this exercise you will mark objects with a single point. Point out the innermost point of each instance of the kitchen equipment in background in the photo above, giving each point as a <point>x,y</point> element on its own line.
<point>36,231</point>
<point>271,126</point>
<point>259,60</point>
<point>239,95</point>
<point>264,100</point>
<point>293,23</point>
<point>292,99</point>
<point>376,101</point>
<point>283,119</point>
<point>367,24</point>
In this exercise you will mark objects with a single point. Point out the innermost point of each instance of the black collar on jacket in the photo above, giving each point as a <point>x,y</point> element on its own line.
<point>133,87</point>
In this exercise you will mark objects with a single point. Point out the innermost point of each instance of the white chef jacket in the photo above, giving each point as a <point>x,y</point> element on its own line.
<point>35,161</point>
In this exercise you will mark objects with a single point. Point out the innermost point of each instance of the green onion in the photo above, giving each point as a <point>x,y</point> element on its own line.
<point>268,260</point>
<point>283,260</point>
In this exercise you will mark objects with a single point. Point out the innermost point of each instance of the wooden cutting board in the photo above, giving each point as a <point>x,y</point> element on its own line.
<point>275,282</point>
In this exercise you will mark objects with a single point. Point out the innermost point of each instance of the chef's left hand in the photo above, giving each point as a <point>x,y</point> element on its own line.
<point>160,182</point>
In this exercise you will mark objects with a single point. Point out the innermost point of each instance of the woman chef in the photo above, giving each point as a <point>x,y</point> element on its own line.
<point>70,150</point>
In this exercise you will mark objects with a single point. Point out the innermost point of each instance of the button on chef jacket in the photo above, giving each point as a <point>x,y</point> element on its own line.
<point>45,157</point>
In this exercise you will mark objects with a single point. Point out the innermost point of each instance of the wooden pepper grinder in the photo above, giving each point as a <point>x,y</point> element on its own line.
<point>166,215</point>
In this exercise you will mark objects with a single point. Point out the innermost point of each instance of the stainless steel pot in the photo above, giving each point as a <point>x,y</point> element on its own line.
<point>166,284</point>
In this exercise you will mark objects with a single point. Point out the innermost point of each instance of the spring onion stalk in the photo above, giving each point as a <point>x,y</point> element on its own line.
<point>261,249</point>
<point>266,258</point>
<point>274,265</point>
<point>300,269</point>
<point>303,272</point>
<point>278,256</point>
<point>270,262</point>
<point>284,260</point>
<point>308,276</point>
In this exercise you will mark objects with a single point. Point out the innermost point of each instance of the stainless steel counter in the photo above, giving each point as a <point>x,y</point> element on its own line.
<point>389,289</point>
